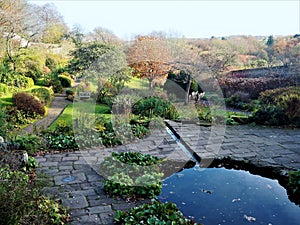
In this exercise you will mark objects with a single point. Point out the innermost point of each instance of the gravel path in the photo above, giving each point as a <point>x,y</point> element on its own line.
<point>57,106</point>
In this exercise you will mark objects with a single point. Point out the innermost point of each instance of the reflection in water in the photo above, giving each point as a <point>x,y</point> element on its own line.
<point>220,196</point>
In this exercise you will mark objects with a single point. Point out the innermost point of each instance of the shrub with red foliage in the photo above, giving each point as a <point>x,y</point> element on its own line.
<point>28,104</point>
<point>252,86</point>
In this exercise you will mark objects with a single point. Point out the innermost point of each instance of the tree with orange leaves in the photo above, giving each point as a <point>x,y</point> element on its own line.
<point>150,58</point>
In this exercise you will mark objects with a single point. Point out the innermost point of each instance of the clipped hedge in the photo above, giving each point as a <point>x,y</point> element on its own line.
<point>252,86</point>
<point>28,104</point>
<point>65,81</point>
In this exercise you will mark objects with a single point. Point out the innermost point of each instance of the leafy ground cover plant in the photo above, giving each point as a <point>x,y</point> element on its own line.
<point>229,117</point>
<point>121,133</point>
<point>152,214</point>
<point>132,174</point>
<point>22,203</point>
<point>19,117</point>
<point>4,122</point>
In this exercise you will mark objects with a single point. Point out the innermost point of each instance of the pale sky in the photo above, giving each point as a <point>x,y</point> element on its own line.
<point>192,19</point>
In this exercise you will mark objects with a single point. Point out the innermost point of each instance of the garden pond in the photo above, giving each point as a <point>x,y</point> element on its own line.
<point>225,196</point>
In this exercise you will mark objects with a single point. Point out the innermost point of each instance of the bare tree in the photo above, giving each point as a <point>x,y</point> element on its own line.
<point>13,29</point>
<point>104,35</point>
<point>48,23</point>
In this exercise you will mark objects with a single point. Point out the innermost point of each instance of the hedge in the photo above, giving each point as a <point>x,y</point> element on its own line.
<point>252,86</point>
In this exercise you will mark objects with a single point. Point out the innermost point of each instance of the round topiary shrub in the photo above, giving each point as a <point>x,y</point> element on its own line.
<point>28,104</point>
<point>66,82</point>
<point>70,92</point>
<point>43,94</point>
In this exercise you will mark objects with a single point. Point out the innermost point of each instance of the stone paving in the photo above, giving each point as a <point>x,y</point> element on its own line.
<point>88,203</point>
<point>264,146</point>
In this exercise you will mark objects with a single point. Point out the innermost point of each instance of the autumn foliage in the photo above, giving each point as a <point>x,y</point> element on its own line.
<point>149,57</point>
<point>28,104</point>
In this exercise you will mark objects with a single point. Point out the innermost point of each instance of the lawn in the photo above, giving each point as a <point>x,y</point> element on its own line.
<point>98,109</point>
<point>67,114</point>
<point>137,83</point>
<point>7,99</point>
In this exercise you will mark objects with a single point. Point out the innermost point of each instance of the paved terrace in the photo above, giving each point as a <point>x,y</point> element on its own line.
<point>88,203</point>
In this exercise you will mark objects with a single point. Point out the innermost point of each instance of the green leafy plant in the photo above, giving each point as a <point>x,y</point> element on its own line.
<point>278,107</point>
<point>52,80</point>
<point>87,138</point>
<point>153,213</point>
<point>65,81</point>
<point>154,106</point>
<point>12,193</point>
<point>111,137</point>
<point>50,212</point>
<point>23,204</point>
<point>61,141</point>
<point>237,101</point>
<point>204,113</point>
<point>136,158</point>
<point>69,92</point>
<point>293,186</point>
<point>139,131</point>
<point>132,174</point>
<point>3,89</point>
<point>29,142</point>
<point>294,181</point>
<point>43,94</point>
<point>4,122</point>
<point>32,163</point>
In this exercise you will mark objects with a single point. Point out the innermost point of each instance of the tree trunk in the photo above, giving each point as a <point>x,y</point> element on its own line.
<point>187,90</point>
<point>151,85</point>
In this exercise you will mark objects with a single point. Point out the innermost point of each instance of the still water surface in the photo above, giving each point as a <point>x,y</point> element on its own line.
<point>215,196</point>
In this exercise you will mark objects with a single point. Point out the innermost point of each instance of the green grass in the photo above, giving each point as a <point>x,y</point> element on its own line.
<point>7,99</point>
<point>137,83</point>
<point>67,114</point>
